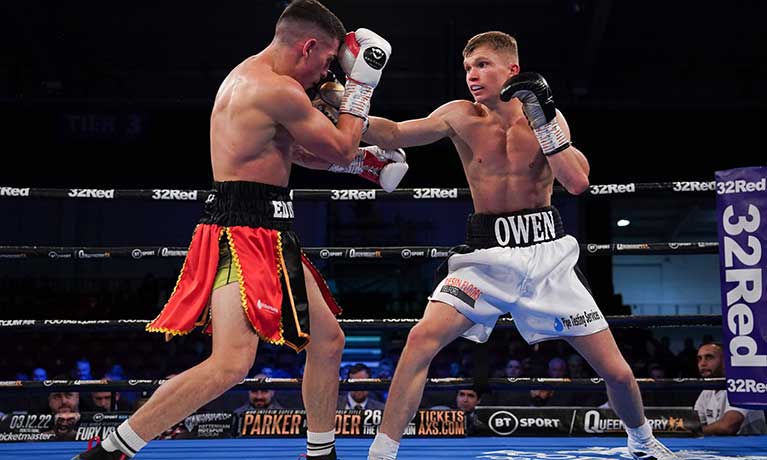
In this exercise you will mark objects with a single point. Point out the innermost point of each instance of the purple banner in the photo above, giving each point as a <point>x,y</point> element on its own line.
<point>741,206</point>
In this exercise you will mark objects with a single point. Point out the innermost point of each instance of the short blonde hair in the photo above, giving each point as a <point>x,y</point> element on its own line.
<point>498,41</point>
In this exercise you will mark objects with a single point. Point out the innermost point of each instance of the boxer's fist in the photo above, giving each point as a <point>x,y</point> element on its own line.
<point>538,104</point>
<point>534,93</point>
<point>383,167</point>
<point>327,99</point>
<point>363,56</point>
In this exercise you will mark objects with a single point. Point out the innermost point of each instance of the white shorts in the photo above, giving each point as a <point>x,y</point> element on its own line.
<point>537,284</point>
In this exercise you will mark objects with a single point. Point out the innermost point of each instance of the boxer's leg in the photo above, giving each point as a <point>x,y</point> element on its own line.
<point>440,325</point>
<point>320,384</point>
<point>234,350</point>
<point>602,353</point>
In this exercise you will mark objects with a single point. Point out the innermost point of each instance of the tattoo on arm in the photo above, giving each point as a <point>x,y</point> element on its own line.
<point>303,157</point>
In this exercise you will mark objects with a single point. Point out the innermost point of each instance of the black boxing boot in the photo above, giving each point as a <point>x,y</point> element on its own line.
<point>99,453</point>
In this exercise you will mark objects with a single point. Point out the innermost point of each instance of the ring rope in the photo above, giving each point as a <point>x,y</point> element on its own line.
<point>351,253</point>
<point>343,195</point>
<point>514,384</point>
<point>103,325</point>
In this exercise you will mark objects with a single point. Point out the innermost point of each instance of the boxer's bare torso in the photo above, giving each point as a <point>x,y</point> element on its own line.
<point>501,157</point>
<point>246,142</point>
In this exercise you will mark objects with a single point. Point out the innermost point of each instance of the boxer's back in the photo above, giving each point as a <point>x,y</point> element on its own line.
<point>246,143</point>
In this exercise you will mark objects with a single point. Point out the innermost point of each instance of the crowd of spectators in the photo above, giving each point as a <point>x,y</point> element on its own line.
<point>135,354</point>
<point>123,355</point>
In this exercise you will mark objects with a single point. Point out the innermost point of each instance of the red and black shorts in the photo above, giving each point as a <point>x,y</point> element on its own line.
<point>245,235</point>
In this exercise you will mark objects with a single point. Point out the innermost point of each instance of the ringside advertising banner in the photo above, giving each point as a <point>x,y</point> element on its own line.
<point>561,421</point>
<point>292,422</point>
<point>485,421</point>
<point>741,207</point>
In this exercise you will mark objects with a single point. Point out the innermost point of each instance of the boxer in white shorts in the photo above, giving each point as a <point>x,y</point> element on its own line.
<point>512,143</point>
<point>532,275</point>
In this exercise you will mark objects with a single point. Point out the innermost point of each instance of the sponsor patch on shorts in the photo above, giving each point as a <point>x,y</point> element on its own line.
<point>579,319</point>
<point>461,289</point>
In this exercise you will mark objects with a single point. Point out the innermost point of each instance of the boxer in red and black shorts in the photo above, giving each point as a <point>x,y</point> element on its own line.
<point>245,236</point>
<point>244,261</point>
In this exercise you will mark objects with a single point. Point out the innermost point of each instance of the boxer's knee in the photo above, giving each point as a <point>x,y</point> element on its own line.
<point>423,340</point>
<point>230,372</point>
<point>329,345</point>
<point>619,376</point>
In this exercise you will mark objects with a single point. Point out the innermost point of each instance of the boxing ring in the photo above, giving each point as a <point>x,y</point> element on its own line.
<point>722,448</point>
<point>516,447</point>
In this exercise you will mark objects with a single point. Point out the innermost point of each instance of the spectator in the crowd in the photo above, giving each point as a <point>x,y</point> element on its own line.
<point>115,373</point>
<point>513,369</point>
<point>577,368</point>
<point>385,369</point>
<point>716,414</point>
<point>83,369</point>
<point>62,401</point>
<point>663,398</point>
<point>467,401</point>
<point>102,401</point>
<point>359,399</point>
<point>39,374</point>
<point>557,368</point>
<point>657,371</point>
<point>259,399</point>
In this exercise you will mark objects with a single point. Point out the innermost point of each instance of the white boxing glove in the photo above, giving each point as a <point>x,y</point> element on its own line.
<point>362,57</point>
<point>382,167</point>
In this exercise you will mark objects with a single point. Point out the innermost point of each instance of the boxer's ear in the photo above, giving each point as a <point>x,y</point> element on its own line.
<point>309,46</point>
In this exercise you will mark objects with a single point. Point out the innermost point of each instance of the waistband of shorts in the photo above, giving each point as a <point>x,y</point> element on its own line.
<point>523,228</point>
<point>250,204</point>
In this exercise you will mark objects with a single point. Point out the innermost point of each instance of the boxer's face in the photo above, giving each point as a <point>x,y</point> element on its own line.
<point>486,72</point>
<point>318,54</point>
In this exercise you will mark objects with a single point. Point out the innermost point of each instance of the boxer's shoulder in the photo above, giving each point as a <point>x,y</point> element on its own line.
<point>458,107</point>
<point>459,114</point>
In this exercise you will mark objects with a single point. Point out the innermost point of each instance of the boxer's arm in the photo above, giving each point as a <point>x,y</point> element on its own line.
<point>550,129</point>
<point>290,107</point>
<point>389,134</point>
<point>570,166</point>
<point>303,157</point>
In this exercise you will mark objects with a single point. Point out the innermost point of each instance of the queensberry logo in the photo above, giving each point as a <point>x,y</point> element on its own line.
<point>558,326</point>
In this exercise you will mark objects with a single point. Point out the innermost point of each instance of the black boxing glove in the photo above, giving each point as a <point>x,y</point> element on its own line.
<point>538,104</point>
